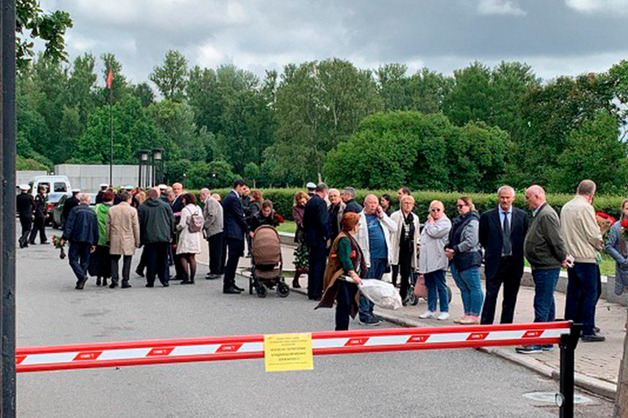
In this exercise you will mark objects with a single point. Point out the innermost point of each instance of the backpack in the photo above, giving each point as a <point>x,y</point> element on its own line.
<point>195,223</point>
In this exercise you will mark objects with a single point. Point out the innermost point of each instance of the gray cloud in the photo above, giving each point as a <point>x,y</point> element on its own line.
<point>556,37</point>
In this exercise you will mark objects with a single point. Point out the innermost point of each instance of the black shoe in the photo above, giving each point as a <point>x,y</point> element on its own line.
<point>150,284</point>
<point>165,284</point>
<point>98,282</point>
<point>231,291</point>
<point>125,285</point>
<point>32,242</point>
<point>593,338</point>
<point>213,276</point>
<point>187,282</point>
<point>113,285</point>
<point>239,289</point>
<point>45,242</point>
<point>295,284</point>
<point>139,272</point>
<point>596,330</point>
<point>80,284</point>
<point>104,282</point>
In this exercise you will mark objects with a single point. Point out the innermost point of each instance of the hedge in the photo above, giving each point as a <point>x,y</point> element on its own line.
<point>283,200</point>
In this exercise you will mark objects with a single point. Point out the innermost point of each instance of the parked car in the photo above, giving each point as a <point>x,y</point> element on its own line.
<point>57,219</point>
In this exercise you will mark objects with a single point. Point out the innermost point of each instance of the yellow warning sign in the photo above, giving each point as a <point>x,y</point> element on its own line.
<point>285,352</point>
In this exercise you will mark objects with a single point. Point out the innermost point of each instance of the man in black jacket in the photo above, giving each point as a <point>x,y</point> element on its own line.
<point>156,228</point>
<point>41,209</point>
<point>348,196</point>
<point>69,204</point>
<point>235,228</point>
<point>502,232</point>
<point>81,229</point>
<point>25,207</point>
<point>317,233</point>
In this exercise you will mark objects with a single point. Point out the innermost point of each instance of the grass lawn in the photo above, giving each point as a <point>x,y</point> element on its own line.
<point>607,267</point>
<point>288,226</point>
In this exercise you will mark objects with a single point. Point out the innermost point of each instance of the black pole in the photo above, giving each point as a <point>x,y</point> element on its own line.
<point>111,134</point>
<point>8,209</point>
<point>568,344</point>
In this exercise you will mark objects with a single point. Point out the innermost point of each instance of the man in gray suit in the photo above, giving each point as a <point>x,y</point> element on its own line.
<point>212,230</point>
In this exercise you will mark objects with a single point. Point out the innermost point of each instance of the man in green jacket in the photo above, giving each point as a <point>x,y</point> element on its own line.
<point>544,248</point>
<point>156,229</point>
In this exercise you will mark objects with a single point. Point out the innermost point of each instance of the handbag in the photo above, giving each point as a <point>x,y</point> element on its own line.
<point>420,290</point>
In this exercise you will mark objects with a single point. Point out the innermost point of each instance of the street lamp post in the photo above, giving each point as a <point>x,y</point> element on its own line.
<point>157,161</point>
<point>143,160</point>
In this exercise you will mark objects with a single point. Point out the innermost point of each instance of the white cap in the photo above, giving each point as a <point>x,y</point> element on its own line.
<point>310,185</point>
<point>24,186</point>
<point>162,187</point>
<point>103,185</point>
<point>129,187</point>
<point>76,190</point>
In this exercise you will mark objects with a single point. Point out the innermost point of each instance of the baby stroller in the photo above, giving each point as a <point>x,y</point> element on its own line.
<point>412,298</point>
<point>267,263</point>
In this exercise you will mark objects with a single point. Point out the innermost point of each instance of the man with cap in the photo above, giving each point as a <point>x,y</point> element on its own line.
<point>41,210</point>
<point>70,203</point>
<point>25,207</point>
<point>101,192</point>
<point>311,189</point>
<point>162,189</point>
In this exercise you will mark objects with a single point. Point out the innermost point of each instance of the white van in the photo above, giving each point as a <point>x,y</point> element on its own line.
<point>57,187</point>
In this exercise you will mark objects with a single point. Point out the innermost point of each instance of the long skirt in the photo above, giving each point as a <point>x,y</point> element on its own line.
<point>100,262</point>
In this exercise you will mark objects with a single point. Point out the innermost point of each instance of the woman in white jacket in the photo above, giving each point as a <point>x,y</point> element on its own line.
<point>404,243</point>
<point>189,243</point>
<point>433,262</point>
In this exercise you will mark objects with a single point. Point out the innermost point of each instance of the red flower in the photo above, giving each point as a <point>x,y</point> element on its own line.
<point>624,224</point>
<point>353,254</point>
<point>280,219</point>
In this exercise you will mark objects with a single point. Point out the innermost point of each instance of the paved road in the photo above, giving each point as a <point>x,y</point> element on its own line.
<point>453,383</point>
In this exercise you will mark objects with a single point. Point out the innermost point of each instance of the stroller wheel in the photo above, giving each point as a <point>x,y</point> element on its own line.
<point>261,291</point>
<point>283,290</point>
<point>449,294</point>
<point>412,299</point>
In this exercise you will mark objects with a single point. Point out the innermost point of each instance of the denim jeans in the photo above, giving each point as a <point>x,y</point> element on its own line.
<point>545,285</point>
<point>376,271</point>
<point>436,290</point>
<point>582,295</point>
<point>468,281</point>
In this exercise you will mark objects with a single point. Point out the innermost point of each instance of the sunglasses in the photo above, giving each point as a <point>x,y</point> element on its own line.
<point>434,209</point>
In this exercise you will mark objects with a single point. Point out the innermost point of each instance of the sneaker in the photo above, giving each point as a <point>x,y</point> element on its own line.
<point>593,338</point>
<point>458,321</point>
<point>529,349</point>
<point>371,322</point>
<point>547,347</point>
<point>427,315</point>
<point>443,316</point>
<point>469,320</point>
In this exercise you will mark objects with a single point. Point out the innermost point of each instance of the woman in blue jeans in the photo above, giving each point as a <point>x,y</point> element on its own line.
<point>465,252</point>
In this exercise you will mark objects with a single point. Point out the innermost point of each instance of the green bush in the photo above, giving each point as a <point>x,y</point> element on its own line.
<point>283,200</point>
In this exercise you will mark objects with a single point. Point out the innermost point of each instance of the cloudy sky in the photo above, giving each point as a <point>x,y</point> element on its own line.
<point>554,36</point>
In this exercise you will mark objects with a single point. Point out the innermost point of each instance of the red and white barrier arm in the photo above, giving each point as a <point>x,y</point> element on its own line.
<point>117,354</point>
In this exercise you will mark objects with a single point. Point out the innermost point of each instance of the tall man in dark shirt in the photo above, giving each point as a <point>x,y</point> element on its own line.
<point>502,232</point>
<point>41,210</point>
<point>317,233</point>
<point>70,203</point>
<point>25,207</point>
<point>235,228</point>
<point>348,196</point>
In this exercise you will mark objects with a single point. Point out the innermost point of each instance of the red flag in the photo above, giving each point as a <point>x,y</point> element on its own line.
<point>110,79</point>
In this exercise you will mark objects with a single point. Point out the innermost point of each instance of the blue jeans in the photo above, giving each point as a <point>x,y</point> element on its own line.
<point>376,271</point>
<point>468,281</point>
<point>436,290</point>
<point>545,285</point>
<point>582,295</point>
<point>78,256</point>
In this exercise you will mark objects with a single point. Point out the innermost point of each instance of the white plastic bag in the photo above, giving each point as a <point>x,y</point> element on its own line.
<point>382,294</point>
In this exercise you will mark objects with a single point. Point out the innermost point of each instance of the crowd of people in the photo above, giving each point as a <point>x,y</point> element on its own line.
<point>349,243</point>
<point>340,243</point>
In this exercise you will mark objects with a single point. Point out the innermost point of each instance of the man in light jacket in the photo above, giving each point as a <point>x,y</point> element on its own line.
<point>373,236</point>
<point>212,230</point>
<point>336,212</point>
<point>583,240</point>
<point>123,232</point>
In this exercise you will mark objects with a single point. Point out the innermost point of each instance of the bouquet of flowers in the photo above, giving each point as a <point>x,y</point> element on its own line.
<point>56,242</point>
<point>604,221</point>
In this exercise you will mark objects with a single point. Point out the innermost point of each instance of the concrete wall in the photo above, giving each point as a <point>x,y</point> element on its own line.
<point>24,176</point>
<point>90,177</point>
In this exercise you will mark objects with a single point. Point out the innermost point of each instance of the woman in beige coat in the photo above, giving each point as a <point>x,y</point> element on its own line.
<point>123,234</point>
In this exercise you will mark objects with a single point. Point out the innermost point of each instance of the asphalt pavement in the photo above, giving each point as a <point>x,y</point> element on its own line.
<point>446,383</point>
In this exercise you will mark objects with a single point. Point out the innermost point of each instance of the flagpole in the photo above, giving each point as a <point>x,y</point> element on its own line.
<point>111,134</point>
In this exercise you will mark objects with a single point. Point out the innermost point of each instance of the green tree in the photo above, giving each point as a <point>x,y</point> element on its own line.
<point>144,93</point>
<point>394,86</point>
<point>171,77</point>
<point>252,172</point>
<point>31,22</point>
<point>593,151</point>
<point>428,91</point>
<point>470,98</point>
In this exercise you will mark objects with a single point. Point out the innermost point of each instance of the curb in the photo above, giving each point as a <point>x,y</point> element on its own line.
<point>591,384</point>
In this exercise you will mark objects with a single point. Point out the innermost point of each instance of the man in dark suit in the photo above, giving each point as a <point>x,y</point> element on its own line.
<point>502,232</point>
<point>235,228</point>
<point>25,208</point>
<point>317,233</point>
<point>70,203</point>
